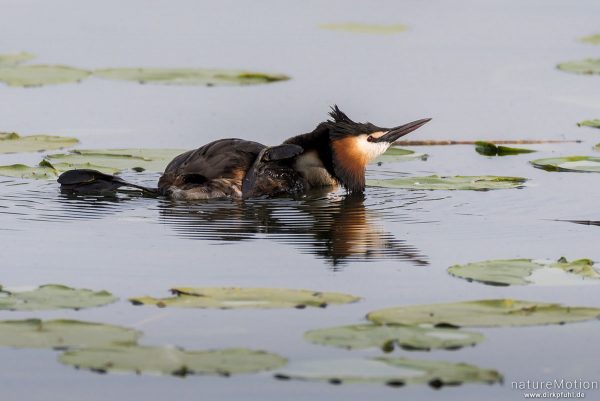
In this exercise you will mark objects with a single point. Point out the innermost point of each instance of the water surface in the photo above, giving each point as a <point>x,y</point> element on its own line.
<point>482,70</point>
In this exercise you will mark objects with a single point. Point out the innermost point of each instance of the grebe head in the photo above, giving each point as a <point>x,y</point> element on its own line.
<point>354,145</point>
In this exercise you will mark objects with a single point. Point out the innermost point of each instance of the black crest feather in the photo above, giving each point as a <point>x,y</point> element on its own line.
<point>342,126</point>
<point>338,115</point>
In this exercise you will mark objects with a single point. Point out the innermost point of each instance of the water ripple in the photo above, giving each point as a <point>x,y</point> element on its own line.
<point>334,226</point>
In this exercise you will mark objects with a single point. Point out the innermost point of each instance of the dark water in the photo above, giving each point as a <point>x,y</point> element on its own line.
<point>481,70</point>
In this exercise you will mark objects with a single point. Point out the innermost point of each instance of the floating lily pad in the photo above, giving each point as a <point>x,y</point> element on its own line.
<point>62,167</point>
<point>237,298</point>
<point>188,76</point>
<point>35,333</point>
<point>592,39</point>
<point>22,171</point>
<point>14,74</point>
<point>393,155</point>
<point>47,170</point>
<point>434,182</point>
<point>386,337</point>
<point>484,313</point>
<point>355,27</point>
<point>52,296</point>
<point>172,361</point>
<point>110,161</point>
<point>583,164</point>
<point>490,149</point>
<point>14,143</point>
<point>587,66</point>
<point>40,75</point>
<point>14,59</point>
<point>394,372</point>
<point>519,271</point>
<point>589,123</point>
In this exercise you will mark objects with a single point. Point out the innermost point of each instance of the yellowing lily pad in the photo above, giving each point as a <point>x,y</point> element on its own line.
<point>592,39</point>
<point>14,143</point>
<point>113,160</point>
<point>53,296</point>
<point>356,27</point>
<point>394,154</point>
<point>490,149</point>
<point>363,336</point>
<point>583,164</point>
<point>172,361</point>
<point>35,333</point>
<point>434,182</point>
<point>243,298</point>
<point>188,76</point>
<point>588,66</point>
<point>14,59</point>
<point>484,313</point>
<point>589,123</point>
<point>394,372</point>
<point>22,171</point>
<point>519,271</point>
<point>40,75</point>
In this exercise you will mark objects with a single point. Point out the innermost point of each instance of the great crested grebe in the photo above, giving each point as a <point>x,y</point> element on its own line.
<point>335,153</point>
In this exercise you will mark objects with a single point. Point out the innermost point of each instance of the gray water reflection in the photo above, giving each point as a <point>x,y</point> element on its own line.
<point>338,229</point>
<point>583,222</point>
<point>334,227</point>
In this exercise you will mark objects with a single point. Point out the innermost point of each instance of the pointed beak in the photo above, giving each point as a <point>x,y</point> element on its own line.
<point>394,133</point>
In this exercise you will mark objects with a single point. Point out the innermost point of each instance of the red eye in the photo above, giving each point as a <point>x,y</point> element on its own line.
<point>370,138</point>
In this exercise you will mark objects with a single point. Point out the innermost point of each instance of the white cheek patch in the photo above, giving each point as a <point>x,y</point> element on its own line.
<point>372,150</point>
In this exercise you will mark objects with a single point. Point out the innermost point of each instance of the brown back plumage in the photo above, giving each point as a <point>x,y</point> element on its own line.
<point>224,158</point>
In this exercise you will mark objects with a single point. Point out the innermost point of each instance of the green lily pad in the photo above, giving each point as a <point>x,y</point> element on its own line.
<point>172,361</point>
<point>589,123</point>
<point>363,336</point>
<point>490,149</point>
<point>434,182</point>
<point>40,75</point>
<point>11,142</point>
<point>592,39</point>
<point>243,298</point>
<point>113,160</point>
<point>583,164</point>
<point>587,66</point>
<point>46,170</point>
<point>14,59</point>
<point>35,333</point>
<point>393,155</point>
<point>53,296</point>
<point>22,171</point>
<point>188,76</point>
<point>356,27</point>
<point>62,167</point>
<point>394,372</point>
<point>147,154</point>
<point>484,313</point>
<point>519,271</point>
